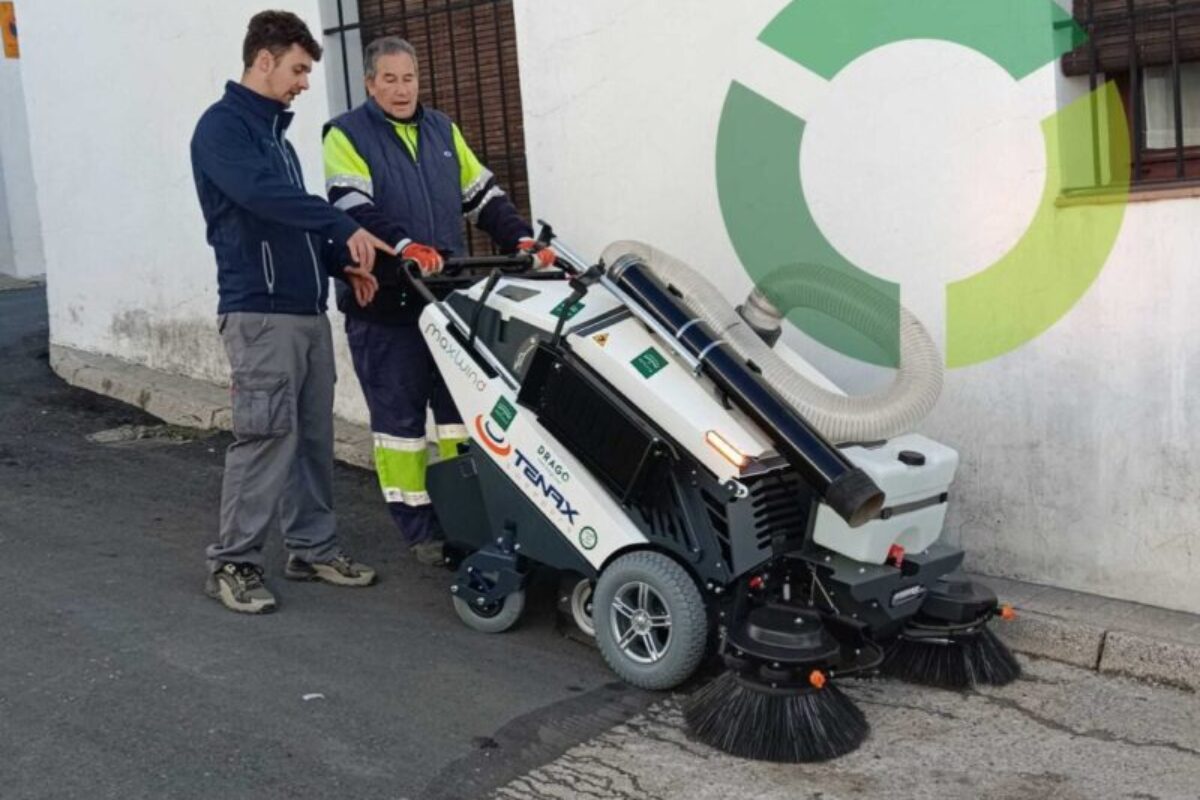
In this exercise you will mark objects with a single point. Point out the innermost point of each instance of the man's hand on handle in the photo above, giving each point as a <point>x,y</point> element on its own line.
<point>427,259</point>
<point>363,244</point>
<point>543,255</point>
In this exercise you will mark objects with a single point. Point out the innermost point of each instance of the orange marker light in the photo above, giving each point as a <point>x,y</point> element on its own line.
<point>1006,613</point>
<point>727,451</point>
<point>817,679</point>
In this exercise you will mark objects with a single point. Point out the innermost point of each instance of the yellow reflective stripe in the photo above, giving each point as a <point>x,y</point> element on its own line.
<point>408,498</point>
<point>491,194</point>
<point>387,442</point>
<point>351,199</point>
<point>401,470</point>
<point>454,431</point>
<point>343,165</point>
<point>469,193</point>
<point>449,438</point>
<point>470,169</point>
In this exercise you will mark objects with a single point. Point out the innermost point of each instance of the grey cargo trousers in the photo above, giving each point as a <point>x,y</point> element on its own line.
<point>281,462</point>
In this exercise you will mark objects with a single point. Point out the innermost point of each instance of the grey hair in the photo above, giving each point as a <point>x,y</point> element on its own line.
<point>386,46</point>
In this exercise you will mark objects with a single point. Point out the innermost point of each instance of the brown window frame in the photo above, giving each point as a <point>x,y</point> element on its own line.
<point>1124,37</point>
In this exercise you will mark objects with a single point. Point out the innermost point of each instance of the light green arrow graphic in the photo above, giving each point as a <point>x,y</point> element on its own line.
<point>1037,282</point>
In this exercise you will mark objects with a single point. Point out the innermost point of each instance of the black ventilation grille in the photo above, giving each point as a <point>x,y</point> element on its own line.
<point>779,507</point>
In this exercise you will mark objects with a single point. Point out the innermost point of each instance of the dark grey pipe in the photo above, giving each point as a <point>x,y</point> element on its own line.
<point>847,489</point>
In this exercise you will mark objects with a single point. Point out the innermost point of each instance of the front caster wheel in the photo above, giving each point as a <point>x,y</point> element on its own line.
<point>494,617</point>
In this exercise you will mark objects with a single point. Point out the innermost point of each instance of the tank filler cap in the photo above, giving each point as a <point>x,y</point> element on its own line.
<point>912,458</point>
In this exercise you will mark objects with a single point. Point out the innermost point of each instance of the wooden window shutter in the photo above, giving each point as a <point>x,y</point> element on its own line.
<point>1114,30</point>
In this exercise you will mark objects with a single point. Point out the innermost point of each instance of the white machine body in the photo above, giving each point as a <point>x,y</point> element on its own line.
<point>639,364</point>
<point>916,500</point>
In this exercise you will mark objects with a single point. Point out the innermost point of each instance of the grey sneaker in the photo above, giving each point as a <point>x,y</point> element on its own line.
<point>430,553</point>
<point>240,588</point>
<point>340,570</point>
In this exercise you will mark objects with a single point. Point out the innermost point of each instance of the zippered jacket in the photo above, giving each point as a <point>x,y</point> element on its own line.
<point>276,244</point>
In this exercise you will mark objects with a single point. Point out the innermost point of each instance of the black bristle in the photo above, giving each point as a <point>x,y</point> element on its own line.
<point>748,721</point>
<point>960,663</point>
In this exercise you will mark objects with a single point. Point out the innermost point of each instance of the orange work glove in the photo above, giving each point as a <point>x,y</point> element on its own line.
<point>428,259</point>
<point>543,255</point>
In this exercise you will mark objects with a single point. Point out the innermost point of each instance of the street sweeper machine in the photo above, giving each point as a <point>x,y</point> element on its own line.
<point>708,491</point>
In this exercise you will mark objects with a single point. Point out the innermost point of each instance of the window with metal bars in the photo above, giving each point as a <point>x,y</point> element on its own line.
<point>1151,50</point>
<point>467,63</point>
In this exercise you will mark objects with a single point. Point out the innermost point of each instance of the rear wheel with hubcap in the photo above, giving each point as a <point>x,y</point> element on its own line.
<point>650,620</point>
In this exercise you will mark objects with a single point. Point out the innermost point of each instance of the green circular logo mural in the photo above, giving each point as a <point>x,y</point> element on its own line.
<point>988,313</point>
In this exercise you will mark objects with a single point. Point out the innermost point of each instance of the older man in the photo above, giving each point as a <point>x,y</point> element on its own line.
<point>405,173</point>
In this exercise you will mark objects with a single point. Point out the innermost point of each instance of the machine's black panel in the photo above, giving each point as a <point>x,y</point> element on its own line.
<point>596,424</point>
<point>956,600</point>
<point>453,486</point>
<point>477,503</point>
<point>883,596</point>
<point>675,501</point>
<point>512,341</point>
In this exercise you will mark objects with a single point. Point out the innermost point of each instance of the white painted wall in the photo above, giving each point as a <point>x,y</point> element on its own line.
<point>20,230</point>
<point>130,274</point>
<point>7,260</point>
<point>1080,457</point>
<point>1079,451</point>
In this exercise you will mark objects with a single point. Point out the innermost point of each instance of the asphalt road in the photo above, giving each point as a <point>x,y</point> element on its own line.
<point>120,679</point>
<point>1058,732</point>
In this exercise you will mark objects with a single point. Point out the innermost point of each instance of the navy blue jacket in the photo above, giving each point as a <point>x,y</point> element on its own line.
<point>276,245</point>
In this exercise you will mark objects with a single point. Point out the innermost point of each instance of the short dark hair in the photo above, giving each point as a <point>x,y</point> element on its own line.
<point>277,31</point>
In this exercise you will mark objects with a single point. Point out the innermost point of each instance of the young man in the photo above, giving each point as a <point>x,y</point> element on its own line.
<point>276,246</point>
<point>406,174</point>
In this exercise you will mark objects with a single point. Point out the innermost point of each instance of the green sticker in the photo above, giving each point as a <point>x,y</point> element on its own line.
<point>570,312</point>
<point>504,413</point>
<point>649,362</point>
<point>588,538</point>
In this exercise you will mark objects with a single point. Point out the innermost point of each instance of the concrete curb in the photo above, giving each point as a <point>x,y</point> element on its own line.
<point>1173,663</point>
<point>1112,636</point>
<point>10,283</point>
<point>181,401</point>
<point>1046,636</point>
<point>1097,633</point>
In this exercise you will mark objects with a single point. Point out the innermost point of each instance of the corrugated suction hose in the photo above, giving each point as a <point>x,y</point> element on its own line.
<point>840,418</point>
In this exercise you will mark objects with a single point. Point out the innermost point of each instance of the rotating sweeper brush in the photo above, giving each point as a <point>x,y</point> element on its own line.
<point>632,430</point>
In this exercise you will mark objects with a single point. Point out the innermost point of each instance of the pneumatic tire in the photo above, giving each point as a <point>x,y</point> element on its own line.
<point>650,619</point>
